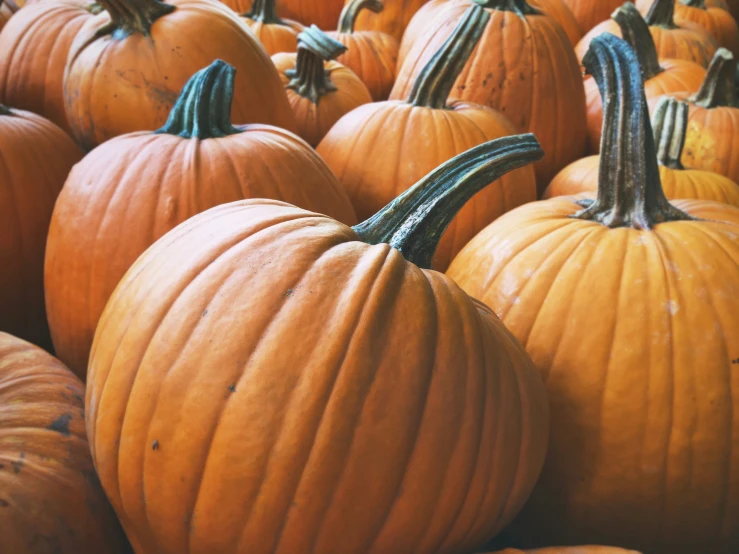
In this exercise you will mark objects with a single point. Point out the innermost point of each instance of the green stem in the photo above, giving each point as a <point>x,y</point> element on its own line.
<point>629,188</point>
<point>519,7</point>
<point>309,78</point>
<point>636,32</point>
<point>414,222</point>
<point>718,87</point>
<point>128,17</point>
<point>435,81</point>
<point>264,11</point>
<point>694,3</point>
<point>670,122</point>
<point>203,109</point>
<point>662,14</point>
<point>351,11</point>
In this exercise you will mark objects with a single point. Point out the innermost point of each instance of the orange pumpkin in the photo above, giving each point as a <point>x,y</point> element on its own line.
<point>371,55</point>
<point>569,550</point>
<point>319,89</point>
<point>716,21</point>
<point>323,13</point>
<point>629,306</point>
<point>521,53</point>
<point>147,183</point>
<point>36,158</point>
<point>275,34</point>
<point>392,20</point>
<point>380,150</point>
<point>660,76</point>
<point>127,65</point>
<point>50,497</point>
<point>591,12</point>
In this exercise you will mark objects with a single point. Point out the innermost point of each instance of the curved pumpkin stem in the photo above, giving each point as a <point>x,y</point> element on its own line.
<point>629,188</point>
<point>309,79</point>
<point>718,87</point>
<point>264,11</point>
<point>636,32</point>
<point>203,109</point>
<point>351,11</point>
<point>414,222</point>
<point>519,7</point>
<point>670,122</point>
<point>662,14</point>
<point>435,81</point>
<point>128,17</point>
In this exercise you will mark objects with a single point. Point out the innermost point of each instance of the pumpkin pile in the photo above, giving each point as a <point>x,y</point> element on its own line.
<point>369,277</point>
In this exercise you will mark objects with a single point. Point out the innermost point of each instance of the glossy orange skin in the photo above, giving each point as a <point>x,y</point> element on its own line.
<point>35,158</point>
<point>392,20</point>
<point>315,120</point>
<point>591,12</point>
<point>515,61</point>
<point>353,403</point>
<point>115,86</point>
<point>569,550</point>
<point>380,150</point>
<point>51,499</point>
<point>717,22</point>
<point>147,184</point>
<point>634,333</point>
<point>276,38</point>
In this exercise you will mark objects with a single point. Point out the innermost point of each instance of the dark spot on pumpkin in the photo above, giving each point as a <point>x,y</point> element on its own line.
<point>4,503</point>
<point>2,466</point>
<point>232,387</point>
<point>205,312</point>
<point>155,445</point>
<point>735,361</point>
<point>288,293</point>
<point>61,424</point>
<point>18,465</point>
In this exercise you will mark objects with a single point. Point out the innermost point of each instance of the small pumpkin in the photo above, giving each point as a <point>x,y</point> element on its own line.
<point>275,34</point>
<point>591,12</point>
<point>715,21</point>
<point>147,183</point>
<point>392,20</point>
<point>319,89</point>
<point>371,55</point>
<point>661,76</point>
<point>629,306</point>
<point>382,149</point>
<point>569,550</point>
<point>127,65</point>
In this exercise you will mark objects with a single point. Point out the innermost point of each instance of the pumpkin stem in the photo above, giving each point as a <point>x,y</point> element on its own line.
<point>636,32</point>
<point>519,7</point>
<point>629,188</point>
<point>670,121</point>
<point>435,81</point>
<point>203,109</point>
<point>309,79</point>
<point>128,17</point>
<point>4,110</point>
<point>12,6</point>
<point>718,87</point>
<point>351,11</point>
<point>414,222</point>
<point>694,3</point>
<point>264,11</point>
<point>662,14</point>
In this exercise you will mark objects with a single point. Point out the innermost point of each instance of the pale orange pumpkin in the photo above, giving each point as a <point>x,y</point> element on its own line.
<point>716,21</point>
<point>275,34</point>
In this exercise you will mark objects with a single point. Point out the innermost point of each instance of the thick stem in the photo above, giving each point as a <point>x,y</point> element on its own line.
<point>414,222</point>
<point>435,81</point>
<point>636,32</point>
<point>662,14</point>
<point>309,78</point>
<point>694,3</point>
<point>203,109</point>
<point>129,17</point>
<point>264,11</point>
<point>351,11</point>
<point>629,188</point>
<point>519,7</point>
<point>718,87</point>
<point>670,123</point>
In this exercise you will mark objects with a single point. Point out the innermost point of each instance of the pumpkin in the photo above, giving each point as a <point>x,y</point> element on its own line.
<point>320,370</point>
<point>323,13</point>
<point>147,183</point>
<point>50,497</point>
<point>381,149</point>
<point>685,42</point>
<point>660,76</point>
<point>371,55</point>
<point>521,53</point>
<point>36,157</point>
<point>569,550</point>
<point>126,67</point>
<point>629,306</point>
<point>319,89</point>
<point>716,21</point>
<point>392,20</point>
<point>669,124</point>
<point>275,34</point>
<point>591,12</point>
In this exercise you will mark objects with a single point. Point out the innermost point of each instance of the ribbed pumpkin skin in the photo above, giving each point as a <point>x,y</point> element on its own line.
<point>569,550</point>
<point>50,497</point>
<point>717,22</point>
<point>35,158</point>
<point>324,13</point>
<point>392,20</point>
<point>33,52</point>
<point>100,104</point>
<point>381,150</point>
<point>591,12</point>
<point>345,400</point>
<point>542,60</point>
<point>644,418</point>
<point>372,56</point>
<point>276,38</point>
<point>147,184</point>
<point>582,176</point>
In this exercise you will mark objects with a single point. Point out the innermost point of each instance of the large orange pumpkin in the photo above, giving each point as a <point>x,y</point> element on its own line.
<point>380,150</point>
<point>127,65</point>
<point>716,21</point>
<point>291,384</point>
<point>569,550</point>
<point>50,497</point>
<point>521,54</point>
<point>147,183</point>
<point>629,306</point>
<point>275,34</point>
<point>323,13</point>
<point>392,20</point>
<point>35,158</point>
<point>591,12</point>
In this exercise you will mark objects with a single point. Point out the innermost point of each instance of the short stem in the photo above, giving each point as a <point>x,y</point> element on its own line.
<point>670,122</point>
<point>309,78</point>
<point>414,222</point>
<point>435,81</point>
<point>203,109</point>
<point>265,12</point>
<point>636,32</point>
<point>133,16</point>
<point>4,110</point>
<point>629,188</point>
<point>694,3</point>
<point>351,11</point>
<point>520,7</point>
<point>662,14</point>
<point>718,87</point>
